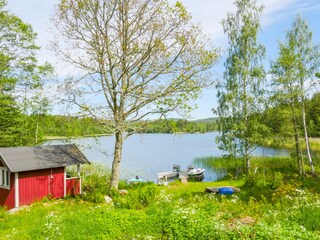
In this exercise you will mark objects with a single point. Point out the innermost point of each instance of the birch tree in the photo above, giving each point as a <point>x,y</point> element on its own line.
<point>240,94</point>
<point>135,58</point>
<point>300,37</point>
<point>286,91</point>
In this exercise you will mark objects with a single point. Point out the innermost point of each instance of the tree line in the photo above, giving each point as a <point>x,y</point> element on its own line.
<point>38,128</point>
<point>277,120</point>
<point>252,109</point>
<point>177,126</point>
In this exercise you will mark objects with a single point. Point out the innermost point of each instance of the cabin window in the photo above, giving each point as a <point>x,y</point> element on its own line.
<point>4,178</point>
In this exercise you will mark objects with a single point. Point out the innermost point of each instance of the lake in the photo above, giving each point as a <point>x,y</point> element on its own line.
<point>146,154</point>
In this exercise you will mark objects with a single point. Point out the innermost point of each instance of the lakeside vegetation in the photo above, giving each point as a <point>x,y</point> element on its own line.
<point>280,207</point>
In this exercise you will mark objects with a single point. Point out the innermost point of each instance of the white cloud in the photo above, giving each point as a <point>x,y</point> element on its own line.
<point>275,10</point>
<point>211,13</point>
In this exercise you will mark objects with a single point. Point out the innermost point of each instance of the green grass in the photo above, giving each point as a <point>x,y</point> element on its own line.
<point>179,211</point>
<point>178,188</point>
<point>280,206</point>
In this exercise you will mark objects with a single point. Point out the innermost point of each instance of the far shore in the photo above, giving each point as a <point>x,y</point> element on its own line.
<point>48,138</point>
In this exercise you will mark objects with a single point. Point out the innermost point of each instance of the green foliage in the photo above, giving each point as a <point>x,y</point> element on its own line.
<point>240,95</point>
<point>278,119</point>
<point>20,78</point>
<point>291,213</point>
<point>95,188</point>
<point>95,183</point>
<point>9,122</point>
<point>140,196</point>
<point>297,63</point>
<point>176,126</point>
<point>69,126</point>
<point>313,111</point>
<point>262,168</point>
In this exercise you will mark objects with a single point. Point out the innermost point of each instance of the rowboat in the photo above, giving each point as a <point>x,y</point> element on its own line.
<point>196,174</point>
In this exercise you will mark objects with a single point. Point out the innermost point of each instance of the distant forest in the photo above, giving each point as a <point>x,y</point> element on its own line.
<point>72,126</point>
<point>36,128</point>
<point>276,117</point>
<point>69,126</point>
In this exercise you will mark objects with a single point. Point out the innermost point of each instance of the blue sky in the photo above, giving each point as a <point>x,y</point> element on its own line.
<point>276,20</point>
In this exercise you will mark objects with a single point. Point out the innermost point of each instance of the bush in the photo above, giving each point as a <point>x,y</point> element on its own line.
<point>139,197</point>
<point>94,188</point>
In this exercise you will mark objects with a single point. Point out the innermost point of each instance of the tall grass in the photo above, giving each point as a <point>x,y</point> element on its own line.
<point>95,181</point>
<point>235,167</point>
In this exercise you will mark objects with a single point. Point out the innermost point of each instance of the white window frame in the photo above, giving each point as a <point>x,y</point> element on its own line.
<point>4,178</point>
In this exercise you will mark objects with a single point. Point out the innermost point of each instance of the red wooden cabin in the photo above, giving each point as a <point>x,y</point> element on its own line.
<point>28,174</point>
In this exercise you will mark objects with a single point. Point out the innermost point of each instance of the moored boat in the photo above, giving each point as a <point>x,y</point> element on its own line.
<point>196,174</point>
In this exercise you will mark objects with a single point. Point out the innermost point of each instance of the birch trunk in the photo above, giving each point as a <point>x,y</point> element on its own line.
<point>307,138</point>
<point>297,144</point>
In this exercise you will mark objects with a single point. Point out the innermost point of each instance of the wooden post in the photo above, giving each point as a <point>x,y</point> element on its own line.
<point>65,182</point>
<point>16,190</point>
<point>78,170</point>
<point>79,176</point>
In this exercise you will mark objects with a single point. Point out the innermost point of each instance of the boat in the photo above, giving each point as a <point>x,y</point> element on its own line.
<point>135,179</point>
<point>196,174</point>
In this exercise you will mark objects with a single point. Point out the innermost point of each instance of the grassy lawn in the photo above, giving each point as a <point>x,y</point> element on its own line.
<point>178,211</point>
<point>178,188</point>
<point>274,203</point>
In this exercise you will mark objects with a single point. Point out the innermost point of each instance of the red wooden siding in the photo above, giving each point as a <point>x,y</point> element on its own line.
<point>57,183</point>
<point>35,185</point>
<point>7,196</point>
<point>73,186</point>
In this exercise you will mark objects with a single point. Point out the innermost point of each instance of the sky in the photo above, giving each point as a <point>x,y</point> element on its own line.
<point>275,22</point>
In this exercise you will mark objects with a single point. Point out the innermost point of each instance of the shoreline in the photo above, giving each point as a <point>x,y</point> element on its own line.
<point>49,138</point>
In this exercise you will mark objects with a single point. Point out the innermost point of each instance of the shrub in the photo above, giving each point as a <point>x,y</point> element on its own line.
<point>94,188</point>
<point>140,196</point>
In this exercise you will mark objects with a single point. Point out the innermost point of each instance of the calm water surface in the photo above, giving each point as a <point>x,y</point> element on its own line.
<point>146,154</point>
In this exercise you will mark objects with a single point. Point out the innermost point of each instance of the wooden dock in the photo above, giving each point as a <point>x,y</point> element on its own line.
<point>164,177</point>
<point>183,176</point>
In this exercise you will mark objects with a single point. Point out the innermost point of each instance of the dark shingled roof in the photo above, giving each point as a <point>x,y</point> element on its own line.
<point>19,159</point>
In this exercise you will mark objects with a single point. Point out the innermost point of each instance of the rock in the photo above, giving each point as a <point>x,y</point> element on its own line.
<point>247,220</point>
<point>123,192</point>
<point>107,199</point>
